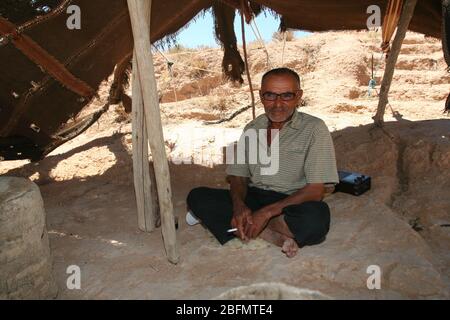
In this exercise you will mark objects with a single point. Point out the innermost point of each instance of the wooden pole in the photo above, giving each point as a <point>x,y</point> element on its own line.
<point>144,179</point>
<point>405,18</point>
<point>141,32</point>
<point>244,48</point>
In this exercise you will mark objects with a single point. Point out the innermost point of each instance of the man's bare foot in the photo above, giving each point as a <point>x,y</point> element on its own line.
<point>290,247</point>
<point>272,237</point>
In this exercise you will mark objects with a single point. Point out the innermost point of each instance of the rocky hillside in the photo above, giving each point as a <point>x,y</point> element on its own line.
<point>335,68</point>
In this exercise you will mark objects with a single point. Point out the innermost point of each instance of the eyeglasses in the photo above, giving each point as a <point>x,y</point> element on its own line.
<point>272,96</point>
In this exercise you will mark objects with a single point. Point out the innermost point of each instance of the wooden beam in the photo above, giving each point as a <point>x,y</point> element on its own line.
<point>405,19</point>
<point>141,32</point>
<point>144,185</point>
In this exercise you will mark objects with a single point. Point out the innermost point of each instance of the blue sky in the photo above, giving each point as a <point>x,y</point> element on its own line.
<point>200,32</point>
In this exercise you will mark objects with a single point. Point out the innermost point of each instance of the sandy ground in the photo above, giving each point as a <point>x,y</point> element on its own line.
<point>87,184</point>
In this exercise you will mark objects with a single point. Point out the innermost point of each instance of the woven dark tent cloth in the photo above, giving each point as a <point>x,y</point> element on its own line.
<point>37,109</point>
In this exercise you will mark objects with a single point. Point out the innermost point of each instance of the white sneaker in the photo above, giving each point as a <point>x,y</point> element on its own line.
<point>191,219</point>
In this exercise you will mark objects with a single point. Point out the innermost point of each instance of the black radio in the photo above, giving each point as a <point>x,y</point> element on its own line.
<point>352,183</point>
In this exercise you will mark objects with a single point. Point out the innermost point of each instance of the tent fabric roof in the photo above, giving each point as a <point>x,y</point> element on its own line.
<point>323,15</point>
<point>37,100</point>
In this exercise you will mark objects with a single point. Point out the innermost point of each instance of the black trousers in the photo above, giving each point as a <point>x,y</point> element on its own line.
<point>309,221</point>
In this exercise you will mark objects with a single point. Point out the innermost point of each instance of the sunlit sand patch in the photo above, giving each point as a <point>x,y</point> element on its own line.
<point>255,244</point>
<point>92,162</point>
<point>236,244</point>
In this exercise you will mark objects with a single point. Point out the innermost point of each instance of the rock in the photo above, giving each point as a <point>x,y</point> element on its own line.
<point>25,259</point>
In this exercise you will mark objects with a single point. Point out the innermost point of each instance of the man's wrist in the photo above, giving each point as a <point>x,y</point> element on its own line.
<point>275,209</point>
<point>238,204</point>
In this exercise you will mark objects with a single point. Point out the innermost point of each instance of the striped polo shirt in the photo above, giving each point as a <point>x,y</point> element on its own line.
<point>306,155</point>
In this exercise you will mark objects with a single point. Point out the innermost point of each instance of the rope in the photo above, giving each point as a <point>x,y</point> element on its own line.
<point>187,52</point>
<point>169,67</point>
<point>244,46</point>
<point>207,70</point>
<point>231,117</point>
<point>372,82</point>
<point>261,41</point>
<point>377,68</point>
<point>162,54</point>
<point>171,63</point>
<point>394,113</point>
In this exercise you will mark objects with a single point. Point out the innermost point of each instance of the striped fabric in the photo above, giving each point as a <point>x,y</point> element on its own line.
<point>306,155</point>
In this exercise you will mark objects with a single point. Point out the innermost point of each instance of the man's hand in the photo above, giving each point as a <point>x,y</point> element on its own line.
<point>241,217</point>
<point>259,220</point>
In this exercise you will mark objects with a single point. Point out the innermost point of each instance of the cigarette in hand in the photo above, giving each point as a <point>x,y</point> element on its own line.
<point>232,230</point>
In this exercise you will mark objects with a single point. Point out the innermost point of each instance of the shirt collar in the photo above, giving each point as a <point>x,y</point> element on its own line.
<point>295,120</point>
